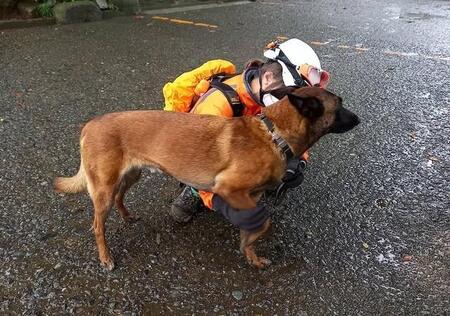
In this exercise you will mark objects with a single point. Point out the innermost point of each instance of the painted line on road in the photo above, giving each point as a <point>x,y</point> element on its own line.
<point>194,7</point>
<point>179,21</point>
<point>206,25</point>
<point>163,18</point>
<point>319,43</point>
<point>356,47</point>
<point>443,58</point>
<point>185,22</point>
<point>402,54</point>
<point>360,49</point>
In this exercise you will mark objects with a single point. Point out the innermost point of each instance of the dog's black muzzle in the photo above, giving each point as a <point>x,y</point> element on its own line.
<point>345,120</point>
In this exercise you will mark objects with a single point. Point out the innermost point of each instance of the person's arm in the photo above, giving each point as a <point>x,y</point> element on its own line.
<point>214,103</point>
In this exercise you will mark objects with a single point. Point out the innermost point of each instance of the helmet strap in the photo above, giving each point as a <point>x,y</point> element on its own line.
<point>298,80</point>
<point>261,90</point>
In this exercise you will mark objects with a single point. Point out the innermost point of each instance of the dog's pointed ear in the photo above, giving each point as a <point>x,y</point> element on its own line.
<point>281,92</point>
<point>309,107</point>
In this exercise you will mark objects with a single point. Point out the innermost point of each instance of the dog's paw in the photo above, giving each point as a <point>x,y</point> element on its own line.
<point>131,218</point>
<point>260,262</point>
<point>108,264</point>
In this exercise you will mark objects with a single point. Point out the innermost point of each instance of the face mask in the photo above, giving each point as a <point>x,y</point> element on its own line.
<point>268,99</point>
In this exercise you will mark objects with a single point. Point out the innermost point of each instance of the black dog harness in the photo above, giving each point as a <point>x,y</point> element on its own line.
<point>295,166</point>
<point>281,143</point>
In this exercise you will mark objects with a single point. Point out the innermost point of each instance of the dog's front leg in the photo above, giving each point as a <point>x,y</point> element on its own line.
<point>131,177</point>
<point>248,249</point>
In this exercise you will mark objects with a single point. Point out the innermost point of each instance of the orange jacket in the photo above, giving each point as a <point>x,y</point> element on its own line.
<point>214,102</point>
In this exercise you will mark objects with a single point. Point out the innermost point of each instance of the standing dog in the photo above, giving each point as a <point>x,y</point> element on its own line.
<point>235,158</point>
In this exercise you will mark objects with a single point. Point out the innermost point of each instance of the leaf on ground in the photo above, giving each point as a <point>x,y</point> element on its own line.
<point>433,158</point>
<point>407,258</point>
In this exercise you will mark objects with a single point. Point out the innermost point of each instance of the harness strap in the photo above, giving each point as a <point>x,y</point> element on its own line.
<point>292,69</point>
<point>231,95</point>
<point>282,145</point>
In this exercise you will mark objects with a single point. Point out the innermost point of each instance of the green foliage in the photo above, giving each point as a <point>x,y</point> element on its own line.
<point>46,8</point>
<point>112,6</point>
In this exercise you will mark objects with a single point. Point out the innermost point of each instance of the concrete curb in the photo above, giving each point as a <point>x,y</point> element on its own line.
<point>24,23</point>
<point>107,14</point>
<point>196,7</point>
<point>19,23</point>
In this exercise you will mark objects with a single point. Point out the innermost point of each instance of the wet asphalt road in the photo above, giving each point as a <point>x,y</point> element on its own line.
<point>368,232</point>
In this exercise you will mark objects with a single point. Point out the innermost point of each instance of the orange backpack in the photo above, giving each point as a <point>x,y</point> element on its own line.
<point>181,94</point>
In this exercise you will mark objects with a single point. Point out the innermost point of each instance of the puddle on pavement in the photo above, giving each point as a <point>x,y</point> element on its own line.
<point>411,16</point>
<point>397,13</point>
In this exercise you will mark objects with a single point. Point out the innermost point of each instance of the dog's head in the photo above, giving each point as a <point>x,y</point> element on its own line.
<point>319,112</point>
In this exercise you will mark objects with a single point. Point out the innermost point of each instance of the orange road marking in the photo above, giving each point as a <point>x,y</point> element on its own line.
<point>206,25</point>
<point>181,21</point>
<point>319,43</point>
<point>187,22</point>
<point>389,52</point>
<point>160,18</point>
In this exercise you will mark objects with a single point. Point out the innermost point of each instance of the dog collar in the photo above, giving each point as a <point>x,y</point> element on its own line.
<point>281,143</point>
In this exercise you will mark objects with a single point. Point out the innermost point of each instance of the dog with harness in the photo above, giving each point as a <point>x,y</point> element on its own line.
<point>229,156</point>
<point>241,162</point>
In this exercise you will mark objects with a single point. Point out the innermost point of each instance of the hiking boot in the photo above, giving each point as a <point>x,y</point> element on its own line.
<point>185,205</point>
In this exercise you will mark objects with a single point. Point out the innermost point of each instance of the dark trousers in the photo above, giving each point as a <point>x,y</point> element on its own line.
<point>249,219</point>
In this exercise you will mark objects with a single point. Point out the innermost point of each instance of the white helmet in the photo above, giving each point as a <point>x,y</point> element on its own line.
<point>299,62</point>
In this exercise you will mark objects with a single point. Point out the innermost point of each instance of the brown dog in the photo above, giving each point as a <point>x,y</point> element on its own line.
<point>234,158</point>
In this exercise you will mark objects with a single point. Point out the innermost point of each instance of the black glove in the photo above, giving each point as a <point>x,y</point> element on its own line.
<point>292,178</point>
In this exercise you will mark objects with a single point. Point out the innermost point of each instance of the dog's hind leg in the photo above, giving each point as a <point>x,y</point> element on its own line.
<point>103,202</point>
<point>248,249</point>
<point>128,179</point>
<point>102,184</point>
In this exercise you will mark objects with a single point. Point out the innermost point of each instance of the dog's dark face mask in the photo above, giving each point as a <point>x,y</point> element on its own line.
<point>344,120</point>
<point>324,110</point>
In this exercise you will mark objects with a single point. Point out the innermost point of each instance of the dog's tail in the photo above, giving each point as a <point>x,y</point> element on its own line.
<point>74,184</point>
